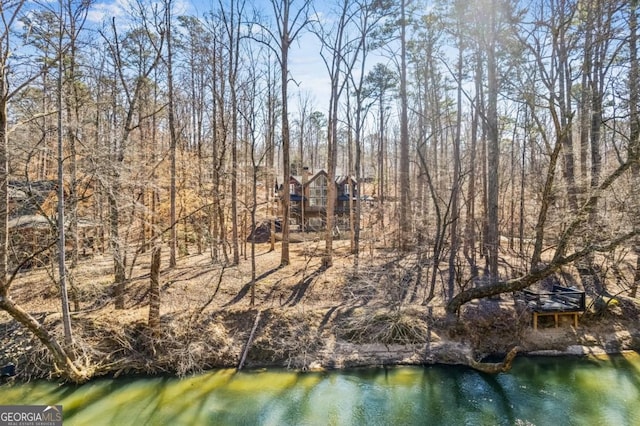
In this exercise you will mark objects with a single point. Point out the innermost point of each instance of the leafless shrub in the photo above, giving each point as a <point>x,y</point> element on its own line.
<point>385,326</point>
<point>360,288</point>
<point>187,351</point>
<point>287,338</point>
<point>391,282</point>
<point>492,328</point>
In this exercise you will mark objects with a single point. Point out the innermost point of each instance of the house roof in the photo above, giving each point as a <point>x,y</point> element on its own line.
<point>29,221</point>
<point>43,222</point>
<point>316,175</point>
<point>339,180</point>
<point>343,178</point>
<point>16,194</point>
<point>29,195</point>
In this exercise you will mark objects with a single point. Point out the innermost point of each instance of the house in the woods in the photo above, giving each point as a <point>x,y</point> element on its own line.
<point>33,222</point>
<point>32,208</point>
<point>309,195</point>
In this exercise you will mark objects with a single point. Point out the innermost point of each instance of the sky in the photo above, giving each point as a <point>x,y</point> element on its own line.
<point>306,67</point>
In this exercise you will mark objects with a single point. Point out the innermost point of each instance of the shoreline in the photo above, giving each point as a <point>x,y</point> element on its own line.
<point>309,342</point>
<point>598,355</point>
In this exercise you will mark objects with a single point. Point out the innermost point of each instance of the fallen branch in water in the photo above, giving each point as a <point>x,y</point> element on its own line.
<point>495,367</point>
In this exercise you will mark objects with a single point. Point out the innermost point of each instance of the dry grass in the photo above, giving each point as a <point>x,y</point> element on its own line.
<point>287,337</point>
<point>387,326</point>
<point>206,315</point>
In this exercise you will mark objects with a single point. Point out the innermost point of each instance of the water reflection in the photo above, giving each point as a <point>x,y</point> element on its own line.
<point>536,391</point>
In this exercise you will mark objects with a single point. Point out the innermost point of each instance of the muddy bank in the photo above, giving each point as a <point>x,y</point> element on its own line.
<point>302,338</point>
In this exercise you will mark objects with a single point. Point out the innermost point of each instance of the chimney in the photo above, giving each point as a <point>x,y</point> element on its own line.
<point>305,180</point>
<point>305,175</point>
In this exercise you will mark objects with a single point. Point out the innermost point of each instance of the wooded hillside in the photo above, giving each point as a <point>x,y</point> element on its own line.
<point>487,138</point>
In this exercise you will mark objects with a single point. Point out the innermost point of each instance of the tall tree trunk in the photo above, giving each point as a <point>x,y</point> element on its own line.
<point>564,101</point>
<point>455,189</point>
<point>215,158</point>
<point>380,165</point>
<point>154,158</point>
<point>598,26</point>
<point>73,115</point>
<point>585,96</point>
<point>113,191</point>
<point>286,163</point>
<point>358,165</point>
<point>233,33</point>
<point>360,194</point>
<point>512,183</point>
<point>523,175</point>
<point>351,203</point>
<point>173,237</point>
<point>492,240</point>
<point>405,198</point>
<point>271,184</point>
<point>335,71</point>
<point>536,257</point>
<point>62,267</point>
<point>332,154</point>
<point>470,224</point>
<point>290,23</point>
<point>634,133</point>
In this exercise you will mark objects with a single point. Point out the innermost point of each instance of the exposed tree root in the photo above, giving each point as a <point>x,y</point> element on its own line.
<point>495,367</point>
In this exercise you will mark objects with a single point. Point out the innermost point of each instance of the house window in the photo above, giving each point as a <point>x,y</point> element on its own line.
<point>318,192</point>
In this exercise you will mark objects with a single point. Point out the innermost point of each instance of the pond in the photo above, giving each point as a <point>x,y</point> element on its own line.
<point>538,390</point>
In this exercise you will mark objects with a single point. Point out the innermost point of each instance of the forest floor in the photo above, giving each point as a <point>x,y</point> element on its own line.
<point>309,317</point>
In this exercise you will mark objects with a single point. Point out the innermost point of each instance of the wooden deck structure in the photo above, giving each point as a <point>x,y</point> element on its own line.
<point>559,301</point>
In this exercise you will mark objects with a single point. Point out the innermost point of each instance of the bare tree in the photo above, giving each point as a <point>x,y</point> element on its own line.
<point>492,241</point>
<point>405,188</point>
<point>600,51</point>
<point>232,24</point>
<point>62,268</point>
<point>290,21</point>
<point>457,174</point>
<point>547,103</point>
<point>132,89</point>
<point>370,13</point>
<point>634,123</point>
<point>252,101</point>
<point>560,256</point>
<point>173,238</point>
<point>10,11</point>
<point>335,47</point>
<point>379,84</point>
<point>218,137</point>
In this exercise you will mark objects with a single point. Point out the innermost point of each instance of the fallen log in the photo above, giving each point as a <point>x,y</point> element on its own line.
<point>248,345</point>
